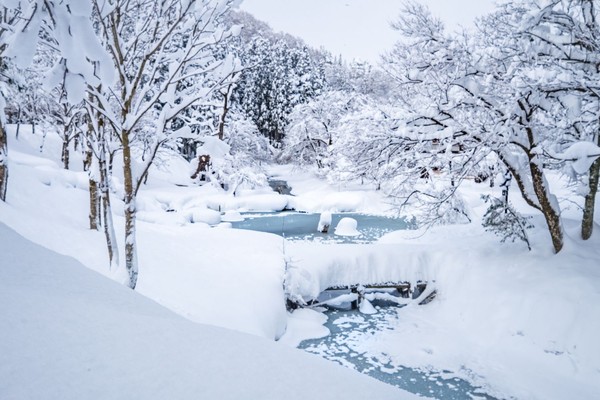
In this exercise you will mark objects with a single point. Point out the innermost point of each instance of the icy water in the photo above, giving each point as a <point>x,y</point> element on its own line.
<point>303,226</point>
<point>349,330</point>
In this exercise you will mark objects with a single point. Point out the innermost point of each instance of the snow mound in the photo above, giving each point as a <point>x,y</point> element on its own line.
<point>214,147</point>
<point>206,216</point>
<point>232,216</point>
<point>347,227</point>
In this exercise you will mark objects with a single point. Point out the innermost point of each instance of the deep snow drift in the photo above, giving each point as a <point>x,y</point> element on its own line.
<point>69,333</point>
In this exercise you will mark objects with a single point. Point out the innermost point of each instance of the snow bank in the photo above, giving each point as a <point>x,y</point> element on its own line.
<point>304,324</point>
<point>232,216</point>
<point>312,194</point>
<point>204,215</point>
<point>223,277</point>
<point>69,333</point>
<point>226,277</point>
<point>519,323</point>
<point>316,267</point>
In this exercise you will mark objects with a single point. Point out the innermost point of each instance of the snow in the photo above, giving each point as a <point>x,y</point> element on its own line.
<point>232,216</point>
<point>213,147</point>
<point>304,324</point>
<point>583,155</point>
<point>347,227</point>
<point>184,266</point>
<point>324,221</point>
<point>317,195</point>
<point>520,324</point>
<point>205,215</point>
<point>69,333</point>
<point>366,307</point>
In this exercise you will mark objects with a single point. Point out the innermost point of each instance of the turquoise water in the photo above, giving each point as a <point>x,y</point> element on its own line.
<point>303,226</point>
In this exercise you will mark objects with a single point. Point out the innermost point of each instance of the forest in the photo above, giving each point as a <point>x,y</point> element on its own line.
<point>497,127</point>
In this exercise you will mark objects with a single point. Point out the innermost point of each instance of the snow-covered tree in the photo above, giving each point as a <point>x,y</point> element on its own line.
<point>63,25</point>
<point>313,127</point>
<point>162,54</point>
<point>280,72</point>
<point>471,94</point>
<point>564,37</point>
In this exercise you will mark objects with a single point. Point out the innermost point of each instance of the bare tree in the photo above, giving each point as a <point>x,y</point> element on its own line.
<point>161,51</point>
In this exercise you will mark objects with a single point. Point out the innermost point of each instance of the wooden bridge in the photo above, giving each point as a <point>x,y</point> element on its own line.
<point>421,293</point>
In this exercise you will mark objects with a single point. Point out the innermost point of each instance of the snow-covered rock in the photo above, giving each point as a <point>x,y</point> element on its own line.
<point>324,222</point>
<point>347,227</point>
<point>232,216</point>
<point>206,216</point>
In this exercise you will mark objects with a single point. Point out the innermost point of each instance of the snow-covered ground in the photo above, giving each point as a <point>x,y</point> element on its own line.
<point>69,333</point>
<point>517,323</point>
<point>521,324</point>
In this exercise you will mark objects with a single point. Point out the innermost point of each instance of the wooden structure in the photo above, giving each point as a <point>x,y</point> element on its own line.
<point>404,289</point>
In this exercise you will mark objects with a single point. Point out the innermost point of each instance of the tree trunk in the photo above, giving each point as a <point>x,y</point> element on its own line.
<point>3,163</point>
<point>109,228</point>
<point>18,123</point>
<point>130,213</point>
<point>223,115</point>
<point>551,214</point>
<point>65,152</point>
<point>587,222</point>
<point>94,200</point>
<point>548,204</point>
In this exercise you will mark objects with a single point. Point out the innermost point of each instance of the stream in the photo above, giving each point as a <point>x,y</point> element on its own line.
<point>350,328</point>
<point>344,345</point>
<point>303,226</point>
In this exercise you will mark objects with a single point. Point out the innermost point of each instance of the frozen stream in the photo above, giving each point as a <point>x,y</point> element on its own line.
<point>350,329</point>
<point>347,344</point>
<point>303,226</point>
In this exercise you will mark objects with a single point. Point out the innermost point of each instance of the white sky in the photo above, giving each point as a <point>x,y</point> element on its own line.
<point>354,28</point>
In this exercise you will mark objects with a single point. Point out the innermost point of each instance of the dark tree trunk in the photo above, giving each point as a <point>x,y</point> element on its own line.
<point>587,222</point>
<point>551,214</point>
<point>18,123</point>
<point>65,152</point>
<point>543,200</point>
<point>3,163</point>
<point>224,114</point>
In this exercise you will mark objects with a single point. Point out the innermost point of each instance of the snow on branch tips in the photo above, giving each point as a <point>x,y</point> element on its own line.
<point>581,155</point>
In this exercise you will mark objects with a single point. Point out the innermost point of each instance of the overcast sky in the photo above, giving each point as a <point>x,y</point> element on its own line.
<point>354,28</point>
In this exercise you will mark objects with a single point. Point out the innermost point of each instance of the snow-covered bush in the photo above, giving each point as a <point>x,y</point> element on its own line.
<point>503,220</point>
